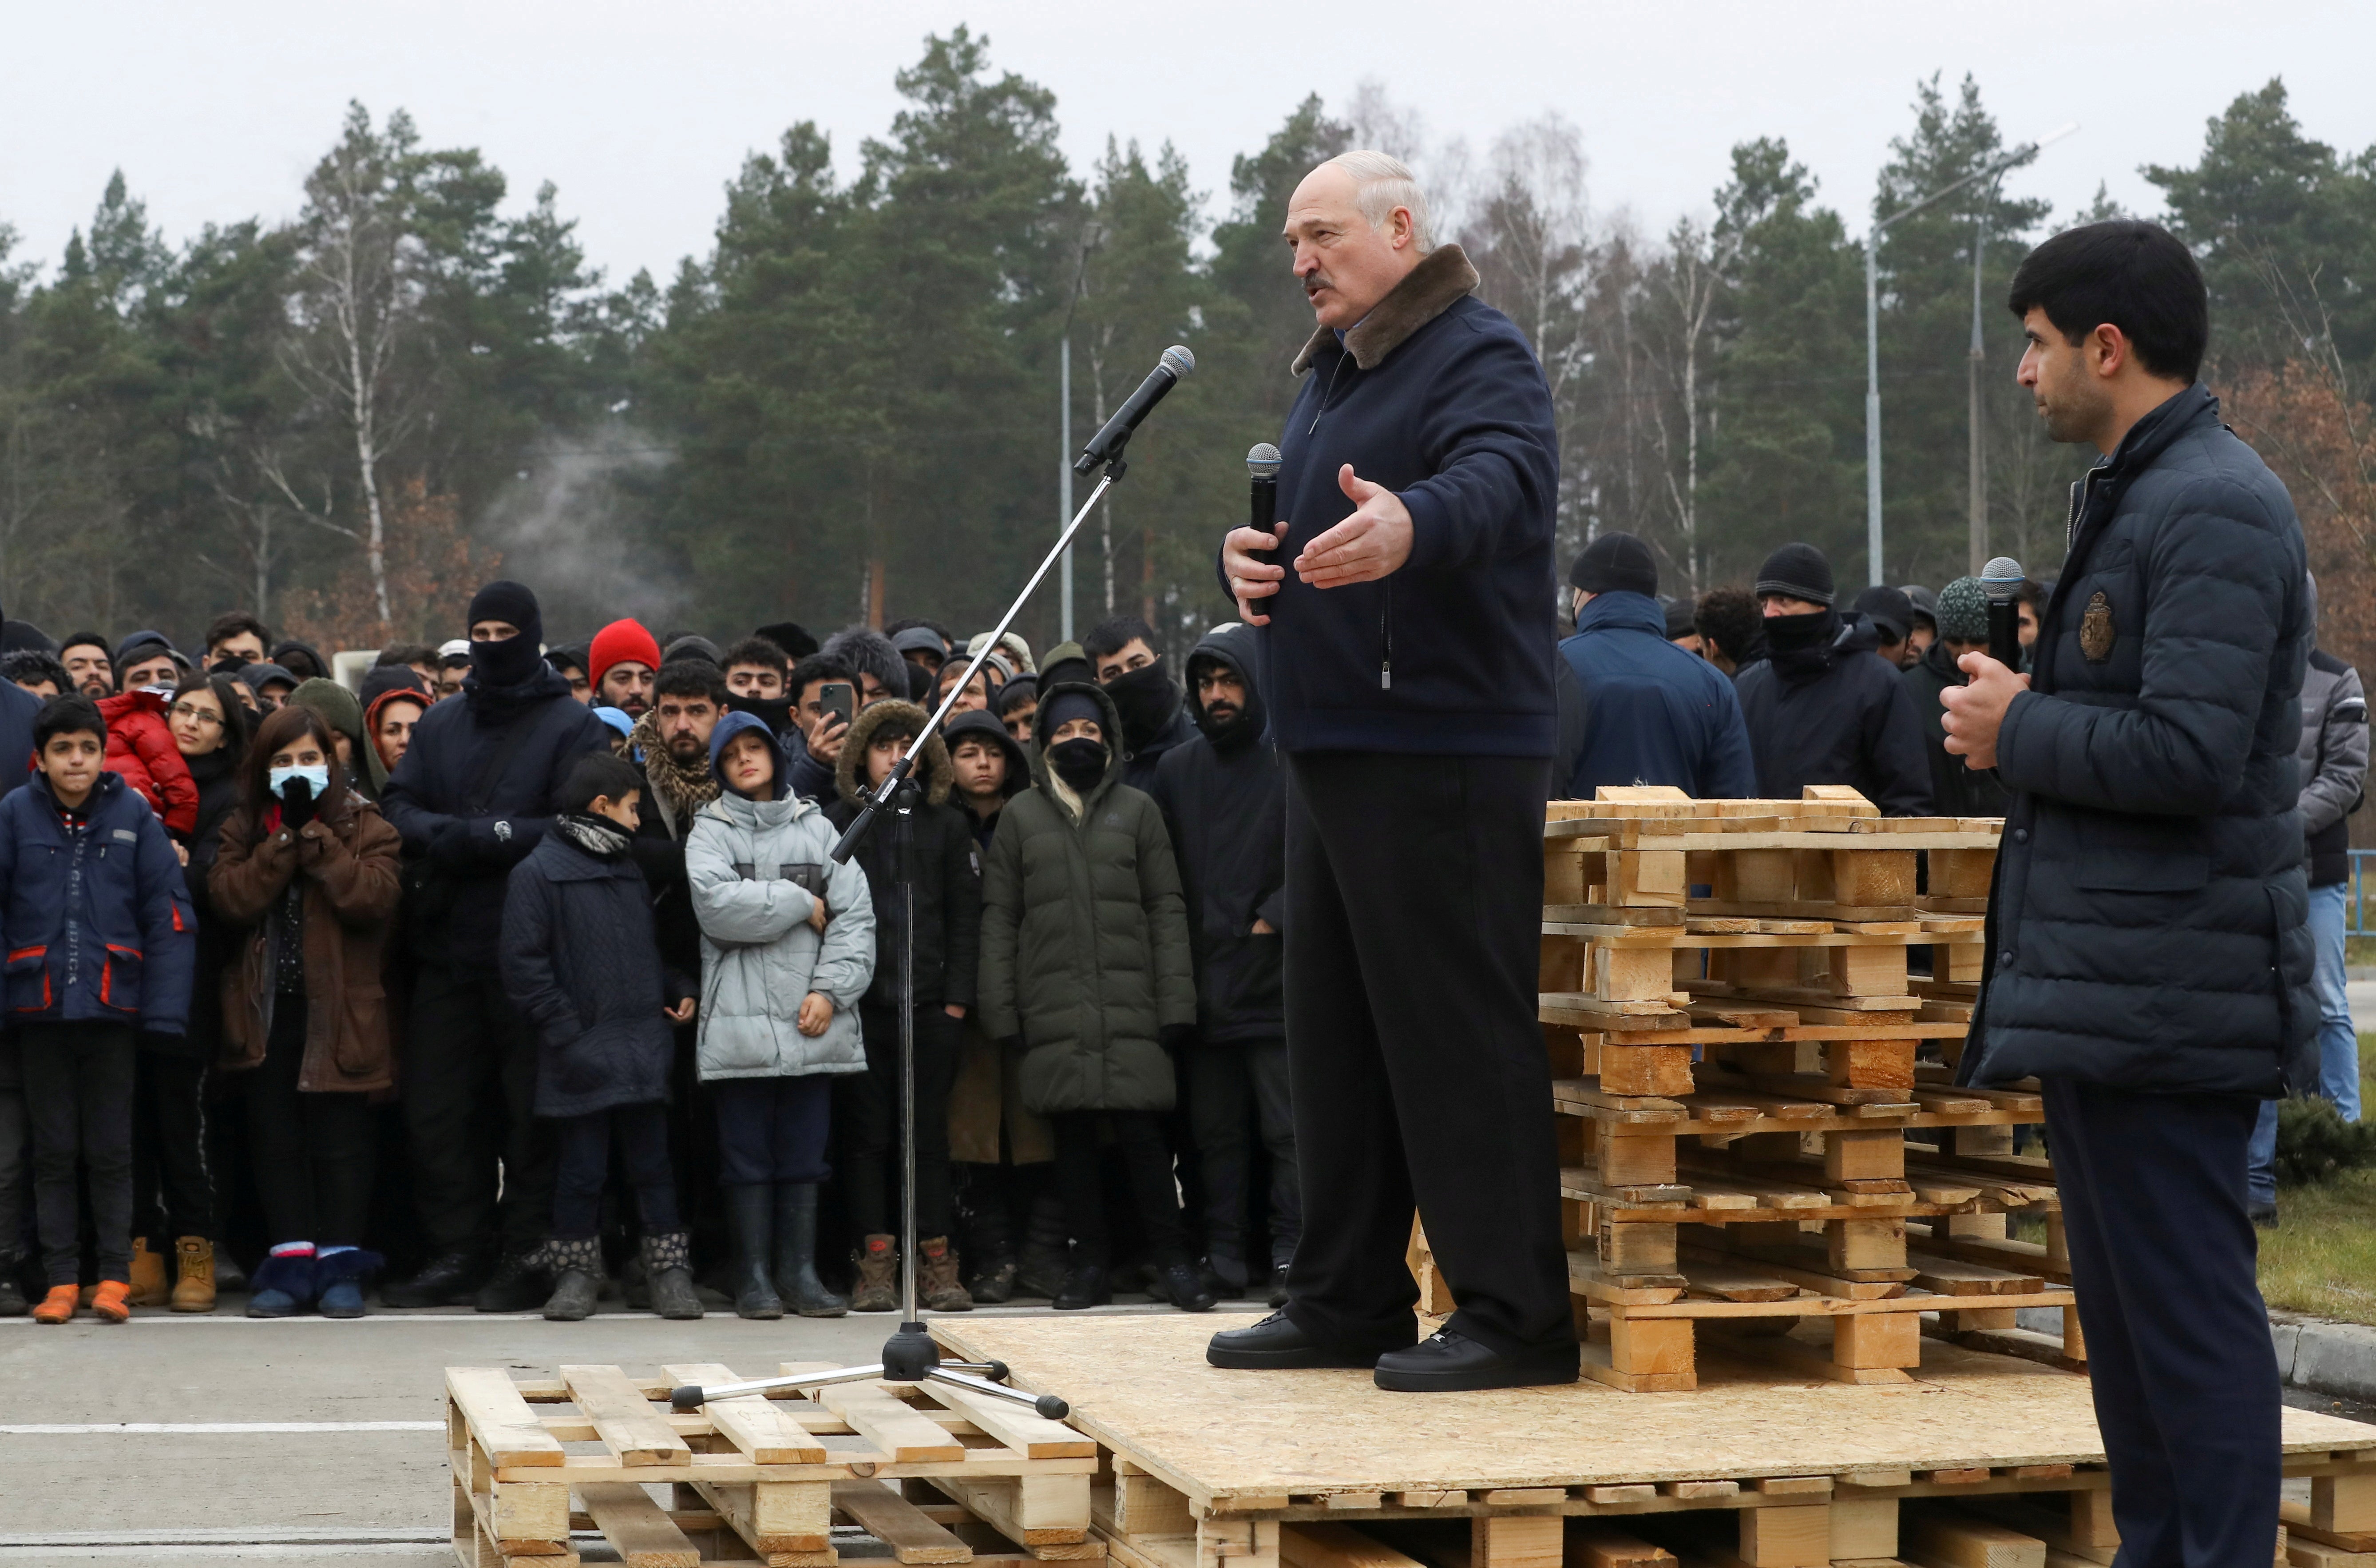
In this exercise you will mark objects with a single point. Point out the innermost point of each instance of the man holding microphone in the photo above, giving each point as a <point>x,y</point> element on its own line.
<point>1407,611</point>
<point>2149,958</point>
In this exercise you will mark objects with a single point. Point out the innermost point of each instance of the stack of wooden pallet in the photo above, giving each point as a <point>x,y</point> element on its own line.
<point>1750,1134</point>
<point>949,1477</point>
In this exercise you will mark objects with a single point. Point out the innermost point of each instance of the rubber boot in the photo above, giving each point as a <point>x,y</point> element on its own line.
<point>1045,1257</point>
<point>876,1287</point>
<point>747,1217</point>
<point>937,1286</point>
<point>577,1278</point>
<point>194,1268</point>
<point>796,1274</point>
<point>147,1281</point>
<point>668,1275</point>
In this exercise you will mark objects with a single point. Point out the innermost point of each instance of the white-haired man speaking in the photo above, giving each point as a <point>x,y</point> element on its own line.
<point>1406,604</point>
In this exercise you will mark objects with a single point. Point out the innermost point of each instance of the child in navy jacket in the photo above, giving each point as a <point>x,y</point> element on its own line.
<point>100,945</point>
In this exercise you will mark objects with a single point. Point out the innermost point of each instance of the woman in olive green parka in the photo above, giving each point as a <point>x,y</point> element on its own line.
<point>1086,969</point>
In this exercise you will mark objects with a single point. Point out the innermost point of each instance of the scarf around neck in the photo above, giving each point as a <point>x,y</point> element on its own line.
<point>685,787</point>
<point>599,837</point>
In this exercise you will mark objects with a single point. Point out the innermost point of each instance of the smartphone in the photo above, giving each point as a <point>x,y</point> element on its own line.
<point>837,697</point>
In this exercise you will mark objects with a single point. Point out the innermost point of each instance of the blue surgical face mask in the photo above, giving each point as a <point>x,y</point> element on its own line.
<point>319,775</point>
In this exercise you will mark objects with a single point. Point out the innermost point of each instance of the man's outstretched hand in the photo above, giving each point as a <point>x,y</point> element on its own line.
<point>1253,577</point>
<point>1976,712</point>
<point>1374,541</point>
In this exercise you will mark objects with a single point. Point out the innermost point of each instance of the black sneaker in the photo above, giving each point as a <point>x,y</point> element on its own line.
<point>1279,1286</point>
<point>1182,1286</point>
<point>520,1284</point>
<point>2264,1216</point>
<point>450,1280</point>
<point>1085,1284</point>
<point>1446,1362</point>
<point>12,1298</point>
<point>1275,1344</point>
<point>993,1285</point>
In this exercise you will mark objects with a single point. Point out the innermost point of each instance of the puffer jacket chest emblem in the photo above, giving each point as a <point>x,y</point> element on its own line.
<point>2096,630</point>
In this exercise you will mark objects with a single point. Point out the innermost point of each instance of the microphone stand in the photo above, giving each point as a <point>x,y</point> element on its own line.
<point>910,1354</point>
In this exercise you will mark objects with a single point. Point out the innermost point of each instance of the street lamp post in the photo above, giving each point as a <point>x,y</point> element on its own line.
<point>1872,537</point>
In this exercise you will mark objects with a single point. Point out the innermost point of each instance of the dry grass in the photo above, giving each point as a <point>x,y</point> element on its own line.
<point>2322,1257</point>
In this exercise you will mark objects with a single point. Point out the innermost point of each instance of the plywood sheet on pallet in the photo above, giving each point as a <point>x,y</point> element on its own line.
<point>1140,1386</point>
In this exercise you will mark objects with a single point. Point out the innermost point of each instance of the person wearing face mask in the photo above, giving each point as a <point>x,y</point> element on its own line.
<point>1087,976</point>
<point>1821,709</point>
<point>1224,795</point>
<point>1154,717</point>
<point>472,798</point>
<point>310,870</point>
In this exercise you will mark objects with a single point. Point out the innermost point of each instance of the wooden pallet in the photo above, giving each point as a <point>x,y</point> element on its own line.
<point>941,1476</point>
<point>1998,1463</point>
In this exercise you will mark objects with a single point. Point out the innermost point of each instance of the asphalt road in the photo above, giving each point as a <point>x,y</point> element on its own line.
<point>356,1472</point>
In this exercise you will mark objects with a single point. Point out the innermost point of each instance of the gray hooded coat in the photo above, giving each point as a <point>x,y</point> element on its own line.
<point>745,861</point>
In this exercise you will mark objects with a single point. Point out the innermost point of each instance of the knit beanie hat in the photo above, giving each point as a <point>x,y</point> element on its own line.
<point>691,646</point>
<point>1063,707</point>
<point>618,642</point>
<point>1681,620</point>
<point>1888,608</point>
<point>1616,563</point>
<point>1964,611</point>
<point>1796,571</point>
<point>514,603</point>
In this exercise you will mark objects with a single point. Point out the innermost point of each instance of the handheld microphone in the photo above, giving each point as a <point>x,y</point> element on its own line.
<point>1107,444</point>
<point>1261,468</point>
<point>2001,580</point>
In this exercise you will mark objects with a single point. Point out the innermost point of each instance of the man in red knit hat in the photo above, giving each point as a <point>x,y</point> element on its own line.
<point>625,659</point>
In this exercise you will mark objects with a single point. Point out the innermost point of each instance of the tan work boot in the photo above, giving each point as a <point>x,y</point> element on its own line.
<point>147,1281</point>
<point>876,1288</point>
<point>194,1289</point>
<point>936,1276</point>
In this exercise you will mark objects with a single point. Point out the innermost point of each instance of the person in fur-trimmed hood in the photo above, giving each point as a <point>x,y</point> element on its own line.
<point>947,938</point>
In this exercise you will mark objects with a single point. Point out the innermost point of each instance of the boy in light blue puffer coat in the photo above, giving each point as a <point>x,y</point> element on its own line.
<point>787,950</point>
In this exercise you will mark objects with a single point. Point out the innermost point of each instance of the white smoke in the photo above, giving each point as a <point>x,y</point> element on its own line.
<point>569,526</point>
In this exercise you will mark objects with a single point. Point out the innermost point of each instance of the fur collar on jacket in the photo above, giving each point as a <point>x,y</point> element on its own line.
<point>1440,280</point>
<point>939,773</point>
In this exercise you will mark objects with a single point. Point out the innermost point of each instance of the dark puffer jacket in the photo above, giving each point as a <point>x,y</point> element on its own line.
<point>582,964</point>
<point>471,800</point>
<point>99,923</point>
<point>1956,790</point>
<point>1840,717</point>
<point>1226,804</point>
<point>2146,929</point>
<point>1085,946</point>
<point>948,889</point>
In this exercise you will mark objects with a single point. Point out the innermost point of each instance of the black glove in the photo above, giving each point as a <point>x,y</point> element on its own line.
<point>296,804</point>
<point>1177,1037</point>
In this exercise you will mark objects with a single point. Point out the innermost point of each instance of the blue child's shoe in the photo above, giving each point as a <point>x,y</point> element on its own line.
<point>282,1284</point>
<point>339,1276</point>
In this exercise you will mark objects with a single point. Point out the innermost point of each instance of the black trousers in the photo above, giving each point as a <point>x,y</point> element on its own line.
<point>1234,1087</point>
<point>870,1103</point>
<point>470,1097</point>
<point>14,1149</point>
<point>2183,1374</point>
<point>1414,914</point>
<point>773,1130</point>
<point>312,1153</point>
<point>1145,1157</point>
<point>583,1160</point>
<point>78,1101</point>
<point>173,1185</point>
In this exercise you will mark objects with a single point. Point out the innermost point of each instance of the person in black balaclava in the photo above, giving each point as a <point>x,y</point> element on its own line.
<point>1821,709</point>
<point>472,798</point>
<point>1224,797</point>
<point>1153,718</point>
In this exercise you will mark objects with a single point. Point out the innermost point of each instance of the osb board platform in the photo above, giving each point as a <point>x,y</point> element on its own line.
<point>1140,1385</point>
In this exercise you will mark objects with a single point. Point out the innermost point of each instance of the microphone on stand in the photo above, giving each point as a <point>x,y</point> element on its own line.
<point>2001,580</point>
<point>1106,445</point>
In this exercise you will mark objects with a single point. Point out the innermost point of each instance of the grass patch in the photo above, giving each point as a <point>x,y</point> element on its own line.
<point>2322,1257</point>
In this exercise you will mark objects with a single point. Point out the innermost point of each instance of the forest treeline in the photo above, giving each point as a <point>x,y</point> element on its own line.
<point>848,408</point>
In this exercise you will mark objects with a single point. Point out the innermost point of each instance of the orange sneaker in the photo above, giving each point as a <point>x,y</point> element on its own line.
<point>112,1302</point>
<point>59,1305</point>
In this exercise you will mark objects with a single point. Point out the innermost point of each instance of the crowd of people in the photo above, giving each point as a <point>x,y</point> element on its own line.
<point>522,976</point>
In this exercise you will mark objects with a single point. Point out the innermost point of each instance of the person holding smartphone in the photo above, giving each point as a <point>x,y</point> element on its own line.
<point>310,869</point>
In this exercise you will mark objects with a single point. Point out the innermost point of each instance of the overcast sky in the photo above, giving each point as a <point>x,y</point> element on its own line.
<point>639,112</point>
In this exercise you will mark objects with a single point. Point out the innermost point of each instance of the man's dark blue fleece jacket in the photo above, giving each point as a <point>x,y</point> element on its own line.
<point>1653,714</point>
<point>1437,397</point>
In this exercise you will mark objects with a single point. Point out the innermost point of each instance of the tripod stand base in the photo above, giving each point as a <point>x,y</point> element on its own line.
<point>910,1354</point>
